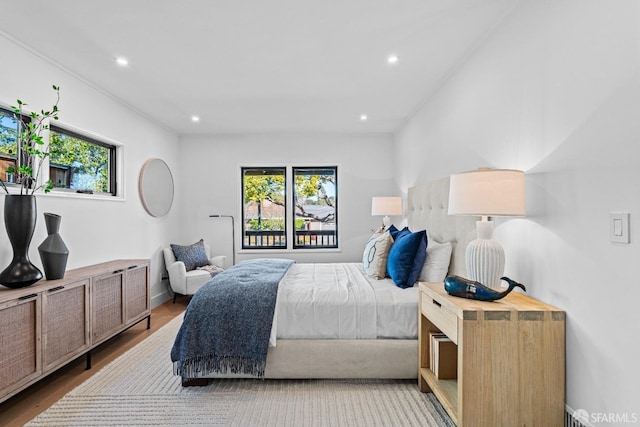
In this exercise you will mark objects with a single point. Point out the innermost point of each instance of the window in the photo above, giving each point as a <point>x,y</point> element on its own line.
<point>8,144</point>
<point>81,163</point>
<point>315,201</point>
<point>268,222</point>
<point>76,162</point>
<point>264,208</point>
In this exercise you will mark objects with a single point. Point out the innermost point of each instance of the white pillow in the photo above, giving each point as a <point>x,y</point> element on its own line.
<point>376,251</point>
<point>436,265</point>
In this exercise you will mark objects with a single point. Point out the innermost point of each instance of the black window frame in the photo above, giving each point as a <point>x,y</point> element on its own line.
<point>112,168</point>
<point>323,235</point>
<point>279,236</point>
<point>19,159</point>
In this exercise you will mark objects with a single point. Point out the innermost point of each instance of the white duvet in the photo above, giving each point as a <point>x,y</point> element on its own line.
<point>338,301</point>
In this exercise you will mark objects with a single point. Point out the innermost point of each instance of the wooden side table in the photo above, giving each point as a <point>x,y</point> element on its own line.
<point>510,358</point>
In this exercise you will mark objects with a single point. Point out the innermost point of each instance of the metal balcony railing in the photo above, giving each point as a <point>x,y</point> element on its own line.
<point>277,239</point>
<point>264,239</point>
<point>315,239</point>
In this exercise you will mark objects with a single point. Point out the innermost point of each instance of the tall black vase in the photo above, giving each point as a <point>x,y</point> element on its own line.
<point>53,251</point>
<point>20,221</point>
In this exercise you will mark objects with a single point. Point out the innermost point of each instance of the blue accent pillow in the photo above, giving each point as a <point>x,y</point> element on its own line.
<point>404,232</point>
<point>193,256</point>
<point>406,258</point>
<point>395,232</point>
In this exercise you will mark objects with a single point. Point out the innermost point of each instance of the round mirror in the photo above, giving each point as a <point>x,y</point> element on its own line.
<point>156,187</point>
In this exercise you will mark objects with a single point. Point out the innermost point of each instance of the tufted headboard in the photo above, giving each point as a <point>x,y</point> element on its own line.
<point>427,206</point>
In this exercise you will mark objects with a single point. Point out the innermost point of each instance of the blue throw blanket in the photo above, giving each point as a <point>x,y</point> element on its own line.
<point>227,324</point>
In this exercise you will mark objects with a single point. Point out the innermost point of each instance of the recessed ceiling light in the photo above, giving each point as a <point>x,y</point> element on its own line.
<point>364,117</point>
<point>392,59</point>
<point>195,119</point>
<point>121,61</point>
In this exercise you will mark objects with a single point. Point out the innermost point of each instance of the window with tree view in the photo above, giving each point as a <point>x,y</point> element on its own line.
<point>264,208</point>
<point>8,144</point>
<point>315,201</point>
<point>81,163</point>
<point>312,218</point>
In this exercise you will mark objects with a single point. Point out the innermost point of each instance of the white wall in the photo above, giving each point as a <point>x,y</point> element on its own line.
<point>555,91</point>
<point>94,230</point>
<point>210,184</point>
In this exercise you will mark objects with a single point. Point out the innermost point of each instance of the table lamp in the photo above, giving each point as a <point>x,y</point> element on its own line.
<point>486,192</point>
<point>386,206</point>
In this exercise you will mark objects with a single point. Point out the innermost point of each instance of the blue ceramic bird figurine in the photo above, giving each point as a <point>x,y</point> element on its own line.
<point>465,288</point>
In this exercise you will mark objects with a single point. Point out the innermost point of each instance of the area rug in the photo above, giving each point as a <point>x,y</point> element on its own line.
<point>139,389</point>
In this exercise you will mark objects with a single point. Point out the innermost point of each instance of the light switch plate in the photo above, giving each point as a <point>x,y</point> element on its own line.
<point>619,227</point>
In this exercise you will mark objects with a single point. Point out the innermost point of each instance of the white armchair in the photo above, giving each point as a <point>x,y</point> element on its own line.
<point>185,282</point>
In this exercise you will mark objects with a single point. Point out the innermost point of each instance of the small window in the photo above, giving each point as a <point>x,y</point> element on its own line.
<point>9,127</point>
<point>264,208</point>
<point>81,163</point>
<point>315,207</point>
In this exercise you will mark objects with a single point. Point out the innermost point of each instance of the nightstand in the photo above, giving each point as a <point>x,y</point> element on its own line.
<point>510,358</point>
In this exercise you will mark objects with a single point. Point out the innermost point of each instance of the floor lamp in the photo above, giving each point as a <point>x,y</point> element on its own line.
<point>233,234</point>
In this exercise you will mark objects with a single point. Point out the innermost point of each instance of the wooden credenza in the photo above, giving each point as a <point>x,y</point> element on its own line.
<point>510,359</point>
<point>49,324</point>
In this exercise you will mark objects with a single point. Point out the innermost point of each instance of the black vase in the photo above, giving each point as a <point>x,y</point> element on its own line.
<point>53,251</point>
<point>20,221</point>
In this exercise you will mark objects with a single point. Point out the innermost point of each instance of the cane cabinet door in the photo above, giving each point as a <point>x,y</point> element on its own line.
<point>65,326</point>
<point>20,360</point>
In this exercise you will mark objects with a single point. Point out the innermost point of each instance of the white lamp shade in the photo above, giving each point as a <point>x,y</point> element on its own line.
<point>487,192</point>
<point>386,206</point>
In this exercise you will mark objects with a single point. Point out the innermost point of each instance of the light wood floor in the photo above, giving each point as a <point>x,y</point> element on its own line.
<point>24,406</point>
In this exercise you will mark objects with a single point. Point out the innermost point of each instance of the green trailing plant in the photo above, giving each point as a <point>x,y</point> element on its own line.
<point>32,149</point>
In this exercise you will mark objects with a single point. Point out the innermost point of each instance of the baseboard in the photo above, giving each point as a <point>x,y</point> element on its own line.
<point>161,298</point>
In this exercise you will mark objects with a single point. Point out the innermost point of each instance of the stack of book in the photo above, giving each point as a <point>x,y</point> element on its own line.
<point>443,357</point>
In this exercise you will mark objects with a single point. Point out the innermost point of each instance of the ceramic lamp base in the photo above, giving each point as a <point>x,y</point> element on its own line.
<point>485,257</point>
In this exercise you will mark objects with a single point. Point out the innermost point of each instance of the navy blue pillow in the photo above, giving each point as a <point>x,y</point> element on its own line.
<point>406,258</point>
<point>395,232</point>
<point>193,256</point>
<point>404,232</point>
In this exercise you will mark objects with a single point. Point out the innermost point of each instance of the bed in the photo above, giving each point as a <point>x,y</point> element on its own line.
<point>369,346</point>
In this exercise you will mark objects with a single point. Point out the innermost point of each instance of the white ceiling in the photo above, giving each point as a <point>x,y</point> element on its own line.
<point>259,66</point>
